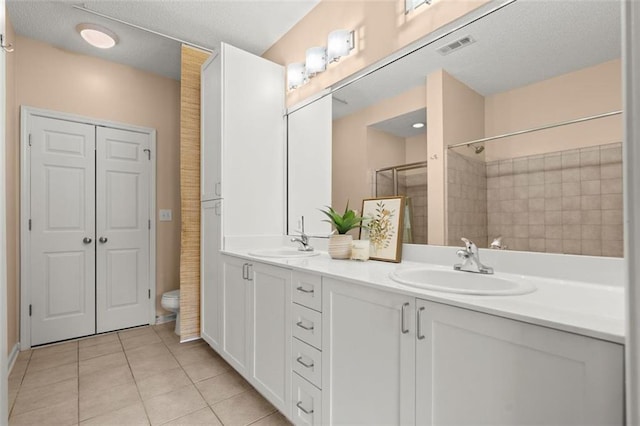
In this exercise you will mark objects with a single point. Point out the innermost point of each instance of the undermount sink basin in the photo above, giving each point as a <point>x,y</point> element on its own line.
<point>451,281</point>
<point>284,252</point>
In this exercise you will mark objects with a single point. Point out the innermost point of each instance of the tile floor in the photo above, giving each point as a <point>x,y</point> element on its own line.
<point>139,376</point>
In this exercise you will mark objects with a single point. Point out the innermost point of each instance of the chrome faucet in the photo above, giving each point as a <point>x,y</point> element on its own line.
<point>496,244</point>
<point>471,259</point>
<point>303,239</point>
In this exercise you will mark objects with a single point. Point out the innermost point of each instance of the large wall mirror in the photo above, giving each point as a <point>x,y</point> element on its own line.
<point>508,127</point>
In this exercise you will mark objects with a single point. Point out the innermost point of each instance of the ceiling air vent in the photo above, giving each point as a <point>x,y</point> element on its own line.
<point>458,44</point>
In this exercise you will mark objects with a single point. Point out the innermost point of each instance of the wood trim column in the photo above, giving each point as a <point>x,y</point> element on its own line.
<point>192,60</point>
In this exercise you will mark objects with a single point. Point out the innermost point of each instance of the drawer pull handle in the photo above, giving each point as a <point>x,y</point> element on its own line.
<point>304,327</point>
<point>300,361</point>
<point>420,335</point>
<point>404,329</point>
<point>304,290</point>
<point>304,410</point>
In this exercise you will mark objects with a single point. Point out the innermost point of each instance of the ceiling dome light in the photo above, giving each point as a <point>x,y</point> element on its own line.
<point>417,125</point>
<point>97,36</point>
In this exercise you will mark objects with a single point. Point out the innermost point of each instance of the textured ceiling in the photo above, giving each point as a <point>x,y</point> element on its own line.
<point>252,25</point>
<point>522,43</point>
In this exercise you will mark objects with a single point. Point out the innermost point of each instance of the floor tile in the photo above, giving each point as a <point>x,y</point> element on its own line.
<point>103,362</point>
<point>54,359</point>
<point>101,380</point>
<point>163,382</point>
<point>53,349</point>
<point>144,339</point>
<point>64,413</point>
<point>98,403</point>
<point>206,369</point>
<point>222,387</point>
<point>201,417</point>
<point>135,332</point>
<point>131,415</point>
<point>173,405</point>
<point>98,340</point>
<point>46,396</point>
<point>275,419</point>
<point>147,351</point>
<point>243,409</point>
<point>146,367</point>
<point>190,355</point>
<point>88,352</point>
<point>34,379</point>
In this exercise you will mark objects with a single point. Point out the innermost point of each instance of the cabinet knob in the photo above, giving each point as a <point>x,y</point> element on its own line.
<point>87,240</point>
<point>103,239</point>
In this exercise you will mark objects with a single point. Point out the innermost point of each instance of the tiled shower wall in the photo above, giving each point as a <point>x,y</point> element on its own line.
<point>467,199</point>
<point>564,202</point>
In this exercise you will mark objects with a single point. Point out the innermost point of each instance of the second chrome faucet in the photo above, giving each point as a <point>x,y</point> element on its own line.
<point>471,259</point>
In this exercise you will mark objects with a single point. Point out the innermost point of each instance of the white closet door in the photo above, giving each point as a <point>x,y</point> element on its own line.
<point>63,227</point>
<point>122,225</point>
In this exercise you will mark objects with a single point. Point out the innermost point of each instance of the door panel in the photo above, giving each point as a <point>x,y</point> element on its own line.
<point>122,221</point>
<point>62,214</point>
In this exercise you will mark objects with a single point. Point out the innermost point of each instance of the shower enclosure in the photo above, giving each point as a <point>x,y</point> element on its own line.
<point>409,180</point>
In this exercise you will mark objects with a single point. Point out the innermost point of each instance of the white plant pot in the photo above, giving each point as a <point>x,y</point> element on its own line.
<point>340,246</point>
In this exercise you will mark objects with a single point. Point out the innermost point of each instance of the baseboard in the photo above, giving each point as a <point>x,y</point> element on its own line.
<point>13,356</point>
<point>161,319</point>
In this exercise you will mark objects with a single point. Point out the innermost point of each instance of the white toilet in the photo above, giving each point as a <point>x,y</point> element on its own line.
<point>171,302</point>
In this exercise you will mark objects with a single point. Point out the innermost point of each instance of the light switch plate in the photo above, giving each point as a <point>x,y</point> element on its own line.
<point>165,215</point>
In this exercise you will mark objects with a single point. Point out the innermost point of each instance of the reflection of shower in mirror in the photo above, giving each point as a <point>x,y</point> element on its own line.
<point>477,148</point>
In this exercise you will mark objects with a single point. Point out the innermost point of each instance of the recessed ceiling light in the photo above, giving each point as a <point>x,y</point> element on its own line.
<point>97,36</point>
<point>417,125</point>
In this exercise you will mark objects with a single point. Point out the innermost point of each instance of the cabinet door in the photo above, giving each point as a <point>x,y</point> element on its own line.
<point>210,128</point>
<point>210,276</point>
<point>368,361</point>
<point>474,368</point>
<point>236,311</point>
<point>271,334</point>
<point>253,162</point>
<point>309,174</point>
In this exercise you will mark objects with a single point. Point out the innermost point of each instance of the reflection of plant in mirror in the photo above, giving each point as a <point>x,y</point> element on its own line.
<point>380,226</point>
<point>345,222</point>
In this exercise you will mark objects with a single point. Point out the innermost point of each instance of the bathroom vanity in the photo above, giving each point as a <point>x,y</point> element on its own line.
<point>339,342</point>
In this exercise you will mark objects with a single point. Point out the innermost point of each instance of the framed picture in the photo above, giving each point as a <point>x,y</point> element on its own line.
<point>383,227</point>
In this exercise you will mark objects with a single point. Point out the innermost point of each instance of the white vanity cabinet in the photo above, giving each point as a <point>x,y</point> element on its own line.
<point>368,355</point>
<point>270,333</point>
<point>256,324</point>
<point>474,368</point>
<point>236,313</point>
<point>210,276</point>
<point>394,359</point>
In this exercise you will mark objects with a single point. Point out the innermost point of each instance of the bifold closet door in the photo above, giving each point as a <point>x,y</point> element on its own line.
<point>62,244</point>
<point>122,229</point>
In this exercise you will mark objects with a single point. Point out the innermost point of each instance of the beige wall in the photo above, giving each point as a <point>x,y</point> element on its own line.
<point>381,27</point>
<point>578,94</point>
<point>55,79</point>
<point>12,195</point>
<point>354,159</point>
<point>416,148</point>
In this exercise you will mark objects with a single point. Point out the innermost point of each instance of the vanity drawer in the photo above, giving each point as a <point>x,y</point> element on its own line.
<point>307,362</point>
<point>306,402</point>
<point>307,290</point>
<point>307,325</point>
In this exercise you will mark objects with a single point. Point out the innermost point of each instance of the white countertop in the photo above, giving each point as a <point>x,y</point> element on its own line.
<point>588,309</point>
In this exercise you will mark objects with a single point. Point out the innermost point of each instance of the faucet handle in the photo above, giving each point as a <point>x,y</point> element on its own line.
<point>471,246</point>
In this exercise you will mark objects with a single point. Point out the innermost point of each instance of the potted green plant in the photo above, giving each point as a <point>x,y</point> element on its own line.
<point>340,243</point>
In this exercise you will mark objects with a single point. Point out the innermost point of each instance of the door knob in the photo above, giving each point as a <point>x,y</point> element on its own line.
<point>87,240</point>
<point>103,239</point>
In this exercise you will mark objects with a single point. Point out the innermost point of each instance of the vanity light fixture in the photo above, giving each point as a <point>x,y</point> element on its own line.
<point>97,35</point>
<point>340,43</point>
<point>296,75</point>
<point>417,125</point>
<point>316,60</point>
